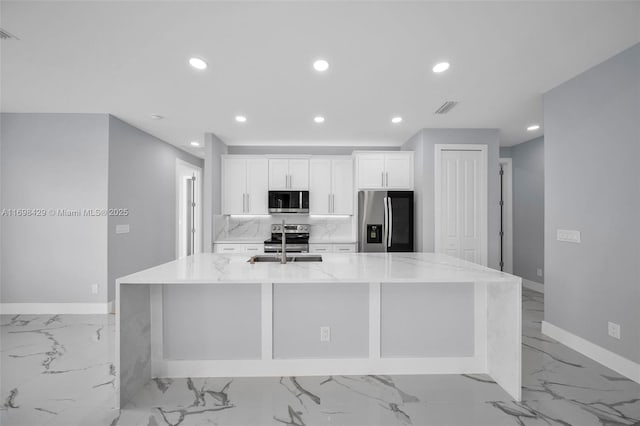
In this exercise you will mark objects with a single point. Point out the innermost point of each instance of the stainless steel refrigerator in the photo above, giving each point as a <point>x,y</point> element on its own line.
<point>385,221</point>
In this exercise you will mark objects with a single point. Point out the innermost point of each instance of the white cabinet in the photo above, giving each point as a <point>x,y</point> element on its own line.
<point>289,173</point>
<point>244,185</point>
<point>331,186</point>
<point>332,248</point>
<point>385,170</point>
<point>230,248</point>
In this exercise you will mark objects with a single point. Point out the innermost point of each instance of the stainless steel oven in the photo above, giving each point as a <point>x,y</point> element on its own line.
<point>288,201</point>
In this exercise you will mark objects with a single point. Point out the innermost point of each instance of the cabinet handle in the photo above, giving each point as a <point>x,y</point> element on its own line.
<point>387,179</point>
<point>329,205</point>
<point>382,176</point>
<point>248,204</point>
<point>333,203</point>
<point>244,203</point>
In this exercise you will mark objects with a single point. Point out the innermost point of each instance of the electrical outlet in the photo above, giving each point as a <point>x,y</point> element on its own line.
<point>94,288</point>
<point>614,330</point>
<point>539,272</point>
<point>325,334</point>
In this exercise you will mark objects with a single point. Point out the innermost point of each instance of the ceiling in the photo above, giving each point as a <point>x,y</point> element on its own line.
<point>130,59</point>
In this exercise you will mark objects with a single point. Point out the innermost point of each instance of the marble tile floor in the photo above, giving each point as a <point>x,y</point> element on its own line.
<point>58,370</point>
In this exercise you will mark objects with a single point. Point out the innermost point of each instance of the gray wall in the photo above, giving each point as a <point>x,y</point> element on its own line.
<point>592,152</point>
<point>142,178</point>
<point>505,152</point>
<point>428,139</point>
<point>420,181</point>
<point>54,161</point>
<point>528,209</point>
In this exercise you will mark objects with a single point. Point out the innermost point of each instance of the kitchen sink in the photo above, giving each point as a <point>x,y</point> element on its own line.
<point>290,258</point>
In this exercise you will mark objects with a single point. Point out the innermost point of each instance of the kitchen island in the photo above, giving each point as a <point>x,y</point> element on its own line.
<point>215,315</point>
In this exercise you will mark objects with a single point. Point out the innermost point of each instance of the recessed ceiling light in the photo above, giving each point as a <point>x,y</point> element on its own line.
<point>441,67</point>
<point>241,118</point>
<point>198,63</point>
<point>157,116</point>
<point>321,65</point>
<point>396,120</point>
<point>533,127</point>
<point>318,119</point>
<point>195,143</point>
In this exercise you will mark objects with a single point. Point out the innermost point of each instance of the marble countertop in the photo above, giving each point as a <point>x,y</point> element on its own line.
<point>336,267</point>
<point>240,241</point>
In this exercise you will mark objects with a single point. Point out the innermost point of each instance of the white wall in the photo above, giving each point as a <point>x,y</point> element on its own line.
<point>592,184</point>
<point>54,161</point>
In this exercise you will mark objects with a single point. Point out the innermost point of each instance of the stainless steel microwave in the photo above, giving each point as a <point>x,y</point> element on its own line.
<point>288,201</point>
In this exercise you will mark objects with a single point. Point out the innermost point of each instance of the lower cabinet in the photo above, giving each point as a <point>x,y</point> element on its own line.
<point>238,248</point>
<point>332,248</point>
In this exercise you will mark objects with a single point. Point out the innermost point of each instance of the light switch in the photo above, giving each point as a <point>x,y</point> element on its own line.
<point>122,229</point>
<point>568,235</point>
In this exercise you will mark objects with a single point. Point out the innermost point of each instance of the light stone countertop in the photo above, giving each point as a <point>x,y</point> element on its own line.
<point>336,267</point>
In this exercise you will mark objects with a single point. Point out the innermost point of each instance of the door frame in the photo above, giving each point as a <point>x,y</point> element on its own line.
<point>181,167</point>
<point>507,179</point>
<point>437,181</point>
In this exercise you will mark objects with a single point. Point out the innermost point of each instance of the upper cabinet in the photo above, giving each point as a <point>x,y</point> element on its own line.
<point>385,170</point>
<point>244,185</point>
<point>289,173</point>
<point>331,186</point>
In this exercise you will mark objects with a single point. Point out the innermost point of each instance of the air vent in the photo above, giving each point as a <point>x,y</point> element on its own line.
<point>446,107</point>
<point>6,35</point>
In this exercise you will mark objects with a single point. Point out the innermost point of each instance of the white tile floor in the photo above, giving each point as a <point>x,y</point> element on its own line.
<point>58,370</point>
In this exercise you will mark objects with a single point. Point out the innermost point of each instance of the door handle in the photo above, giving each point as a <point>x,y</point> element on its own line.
<point>390,233</point>
<point>386,222</point>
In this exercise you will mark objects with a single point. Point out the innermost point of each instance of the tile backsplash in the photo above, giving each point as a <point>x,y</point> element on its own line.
<point>258,228</point>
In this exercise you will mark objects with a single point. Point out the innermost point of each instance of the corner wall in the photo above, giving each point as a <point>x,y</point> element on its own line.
<point>592,184</point>
<point>142,178</point>
<point>528,209</point>
<point>54,161</point>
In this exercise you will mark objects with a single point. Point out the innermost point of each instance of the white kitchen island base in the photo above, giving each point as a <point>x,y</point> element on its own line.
<point>213,315</point>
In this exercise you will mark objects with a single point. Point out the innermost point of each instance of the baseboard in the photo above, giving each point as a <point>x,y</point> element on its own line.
<point>597,353</point>
<point>532,285</point>
<point>54,308</point>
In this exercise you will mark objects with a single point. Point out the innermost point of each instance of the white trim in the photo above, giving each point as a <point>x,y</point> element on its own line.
<point>483,148</point>
<point>374,320</point>
<point>55,308</point>
<point>532,285</point>
<point>617,363</point>
<point>267,321</point>
<point>112,306</point>
<point>507,189</point>
<point>320,367</point>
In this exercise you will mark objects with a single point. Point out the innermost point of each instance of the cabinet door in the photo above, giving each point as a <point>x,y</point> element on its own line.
<point>278,173</point>
<point>342,183</point>
<point>299,174</point>
<point>399,171</point>
<point>234,180</point>
<point>319,186</point>
<point>370,171</point>
<point>257,186</point>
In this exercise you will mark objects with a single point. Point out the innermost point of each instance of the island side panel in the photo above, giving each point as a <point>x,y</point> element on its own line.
<point>427,320</point>
<point>504,335</point>
<point>133,321</point>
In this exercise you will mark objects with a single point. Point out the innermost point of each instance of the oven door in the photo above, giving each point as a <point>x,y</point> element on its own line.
<point>288,201</point>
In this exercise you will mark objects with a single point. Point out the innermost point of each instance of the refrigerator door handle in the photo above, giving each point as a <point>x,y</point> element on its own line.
<point>390,232</point>
<point>386,223</point>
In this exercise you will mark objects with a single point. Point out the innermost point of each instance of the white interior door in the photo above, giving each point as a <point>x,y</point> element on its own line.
<point>506,165</point>
<point>188,209</point>
<point>461,216</point>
